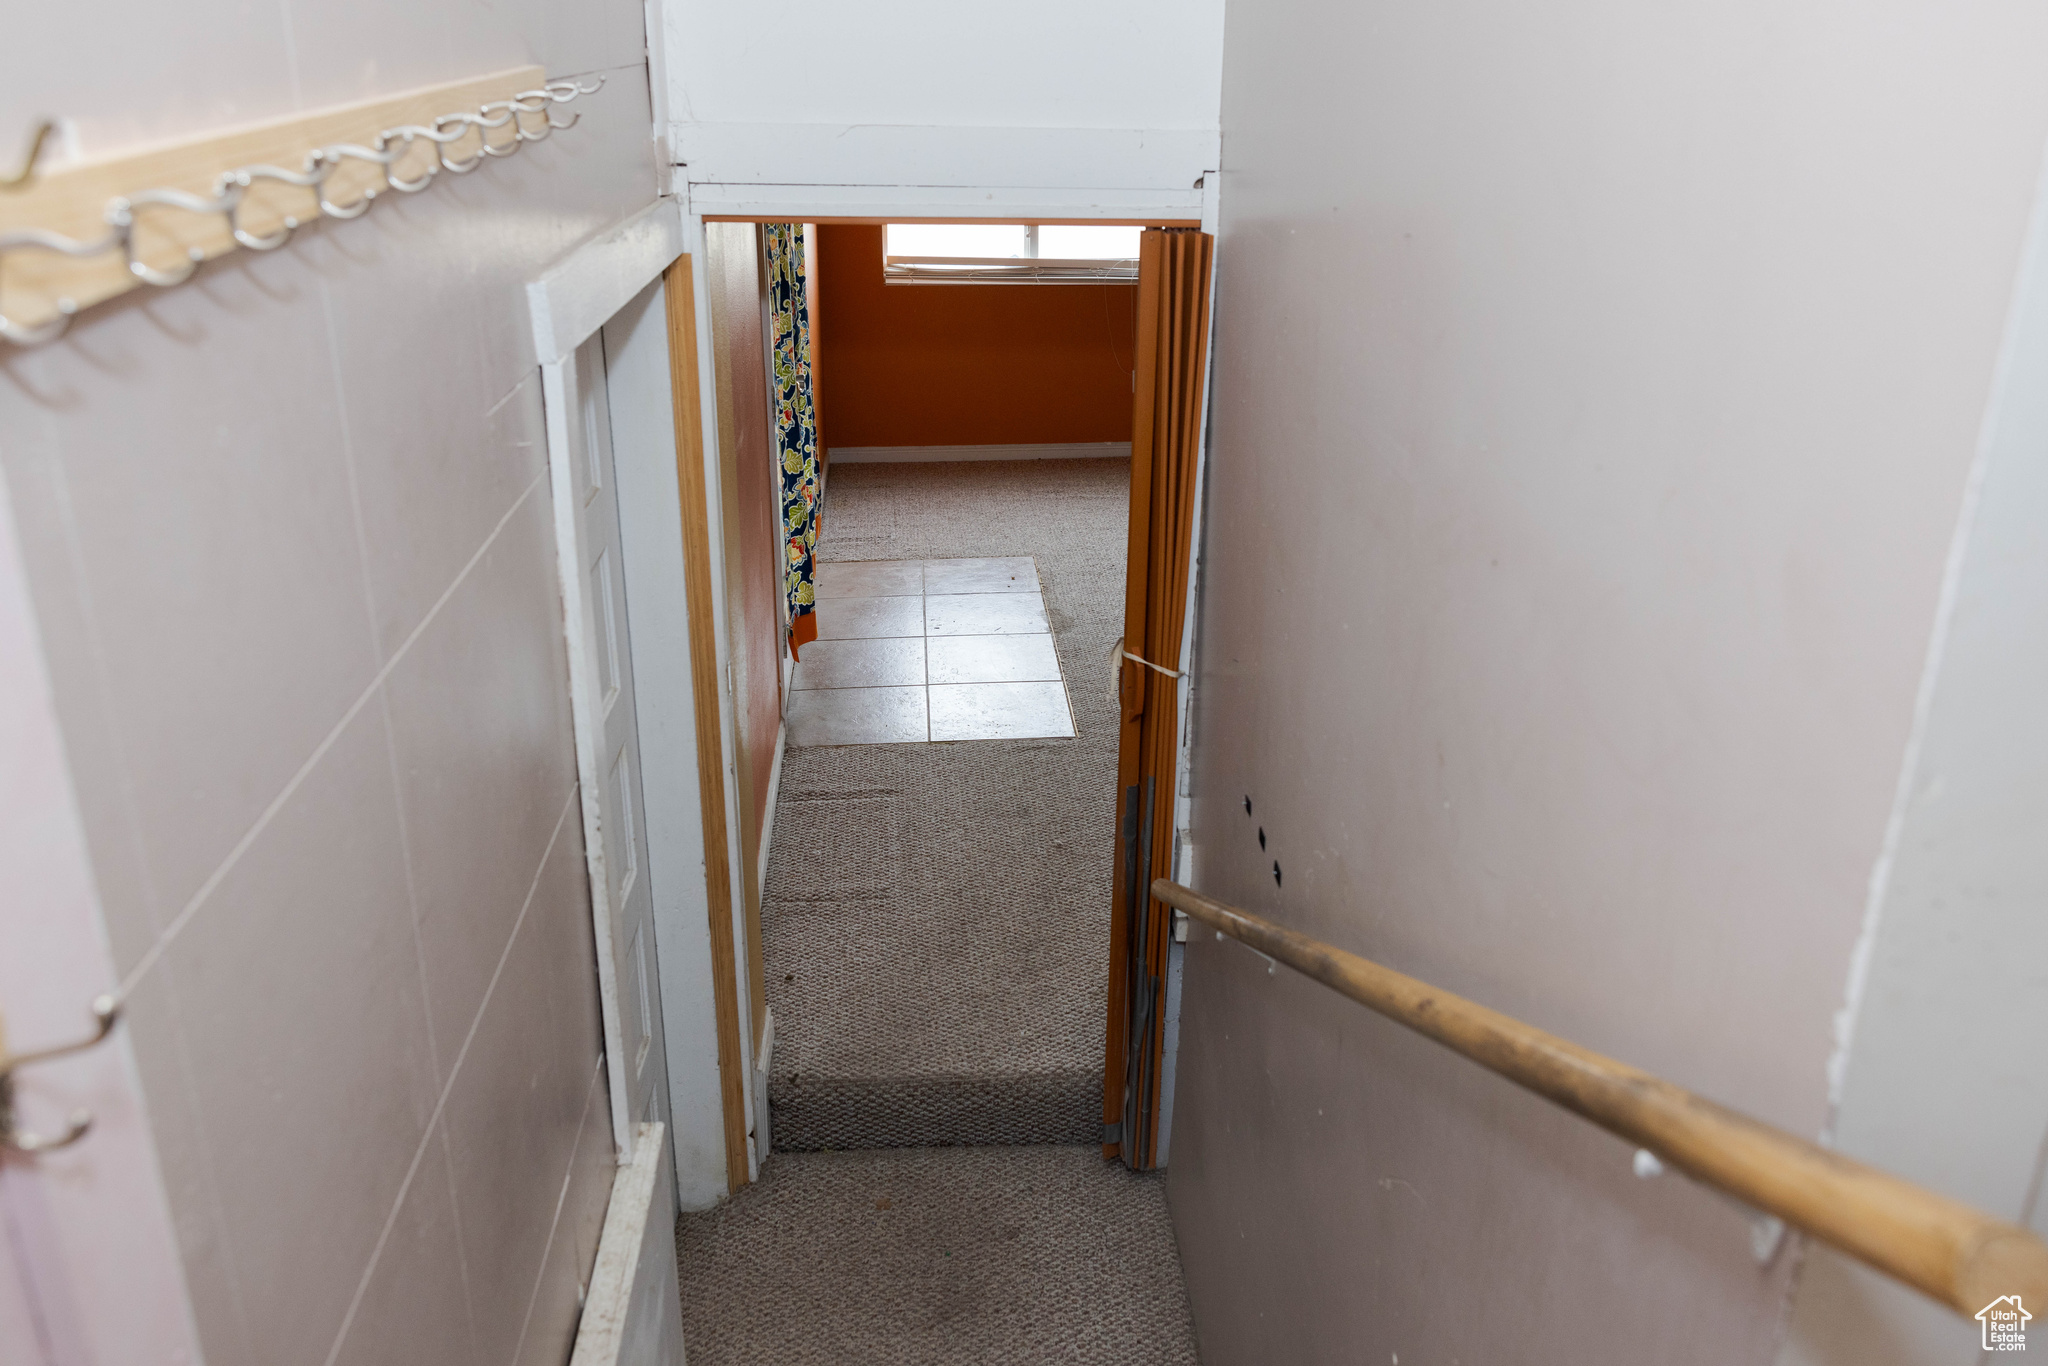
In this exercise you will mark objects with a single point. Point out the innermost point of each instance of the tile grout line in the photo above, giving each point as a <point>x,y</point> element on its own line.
<point>100,688</point>
<point>206,889</point>
<point>461,1245</point>
<point>375,634</point>
<point>348,465</point>
<point>561,1200</point>
<point>208,1163</point>
<point>102,685</point>
<point>448,1086</point>
<point>412,895</point>
<point>1035,591</point>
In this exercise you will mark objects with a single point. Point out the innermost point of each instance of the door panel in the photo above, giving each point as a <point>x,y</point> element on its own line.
<point>608,743</point>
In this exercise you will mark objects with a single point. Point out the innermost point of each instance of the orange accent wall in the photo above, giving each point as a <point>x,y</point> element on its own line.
<point>968,365</point>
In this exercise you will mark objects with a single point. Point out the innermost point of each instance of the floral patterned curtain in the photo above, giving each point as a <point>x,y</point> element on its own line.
<point>796,424</point>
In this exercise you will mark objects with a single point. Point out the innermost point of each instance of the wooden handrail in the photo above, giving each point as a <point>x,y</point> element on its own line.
<point>1941,1247</point>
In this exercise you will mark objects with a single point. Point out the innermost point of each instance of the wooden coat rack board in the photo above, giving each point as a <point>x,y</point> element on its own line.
<point>82,234</point>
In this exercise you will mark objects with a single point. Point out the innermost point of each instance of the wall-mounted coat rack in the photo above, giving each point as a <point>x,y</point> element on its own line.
<point>80,235</point>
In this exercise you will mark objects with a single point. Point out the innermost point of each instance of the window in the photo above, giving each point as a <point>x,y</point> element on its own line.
<point>1009,253</point>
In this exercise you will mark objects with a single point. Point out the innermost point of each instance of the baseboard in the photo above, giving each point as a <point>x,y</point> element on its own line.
<point>1057,450</point>
<point>768,817</point>
<point>767,1058</point>
<point>631,1316</point>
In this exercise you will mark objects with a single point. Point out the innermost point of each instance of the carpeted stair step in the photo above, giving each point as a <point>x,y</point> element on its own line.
<point>924,1257</point>
<point>936,916</point>
<point>914,1005</point>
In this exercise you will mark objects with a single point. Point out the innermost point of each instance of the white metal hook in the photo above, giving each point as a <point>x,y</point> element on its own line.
<point>411,133</point>
<point>241,181</point>
<point>37,137</point>
<point>332,157</point>
<point>43,333</point>
<point>121,217</point>
<point>467,121</point>
<point>38,334</point>
<point>22,1141</point>
<point>106,1013</point>
<point>512,108</point>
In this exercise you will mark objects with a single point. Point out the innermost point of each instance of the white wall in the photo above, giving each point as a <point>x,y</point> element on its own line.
<point>287,533</point>
<point>89,1268</point>
<point>1942,1074</point>
<point>1596,391</point>
<point>1064,94</point>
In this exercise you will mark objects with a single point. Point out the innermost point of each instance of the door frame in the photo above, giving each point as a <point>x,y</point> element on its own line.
<point>706,977</point>
<point>706,1037</point>
<point>749,830</point>
<point>1185,870</point>
<point>827,205</point>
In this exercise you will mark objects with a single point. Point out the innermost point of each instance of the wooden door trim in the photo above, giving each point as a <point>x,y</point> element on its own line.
<point>696,516</point>
<point>724,315</point>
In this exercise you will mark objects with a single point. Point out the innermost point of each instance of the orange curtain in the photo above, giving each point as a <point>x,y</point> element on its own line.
<point>1166,430</point>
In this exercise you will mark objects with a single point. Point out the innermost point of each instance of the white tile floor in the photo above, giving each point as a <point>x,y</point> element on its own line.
<point>929,650</point>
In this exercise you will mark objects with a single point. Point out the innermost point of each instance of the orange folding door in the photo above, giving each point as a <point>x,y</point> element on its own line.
<point>1173,339</point>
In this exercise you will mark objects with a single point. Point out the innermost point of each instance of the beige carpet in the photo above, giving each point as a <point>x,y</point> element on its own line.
<point>948,1256</point>
<point>936,916</point>
<point>936,922</point>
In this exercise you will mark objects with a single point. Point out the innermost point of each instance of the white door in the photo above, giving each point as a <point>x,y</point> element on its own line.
<point>607,737</point>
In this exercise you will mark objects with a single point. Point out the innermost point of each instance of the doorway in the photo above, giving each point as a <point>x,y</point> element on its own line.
<point>792,883</point>
<point>933,784</point>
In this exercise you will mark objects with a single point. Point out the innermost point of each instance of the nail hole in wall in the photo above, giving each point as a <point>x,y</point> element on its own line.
<point>1276,872</point>
<point>1262,837</point>
<point>1247,806</point>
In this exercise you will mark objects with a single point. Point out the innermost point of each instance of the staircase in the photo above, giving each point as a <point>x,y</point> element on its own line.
<point>915,1003</point>
<point>892,1256</point>
<point>936,944</point>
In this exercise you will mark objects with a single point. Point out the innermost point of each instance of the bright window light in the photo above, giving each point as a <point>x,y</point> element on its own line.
<point>1009,253</point>
<point>1067,242</point>
<point>984,240</point>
